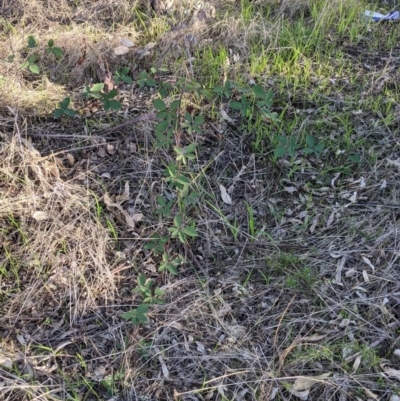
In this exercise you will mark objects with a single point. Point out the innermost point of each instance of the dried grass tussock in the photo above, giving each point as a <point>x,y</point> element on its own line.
<point>60,252</point>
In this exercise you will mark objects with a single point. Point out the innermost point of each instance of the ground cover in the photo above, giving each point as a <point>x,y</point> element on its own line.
<point>199,202</point>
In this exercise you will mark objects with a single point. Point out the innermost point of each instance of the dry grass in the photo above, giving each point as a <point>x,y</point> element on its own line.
<point>298,278</point>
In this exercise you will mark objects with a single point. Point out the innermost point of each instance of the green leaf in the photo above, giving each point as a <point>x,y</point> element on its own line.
<point>32,42</point>
<point>190,148</point>
<point>129,315</point>
<point>142,309</point>
<point>112,93</point>
<point>97,87</point>
<point>50,43</point>
<point>58,113</point>
<point>10,58</point>
<point>188,117</point>
<point>259,91</point>
<point>115,105</point>
<point>161,127</point>
<point>32,58</point>
<point>127,80</point>
<point>199,120</point>
<point>159,105</point>
<point>106,104</point>
<point>124,71</point>
<point>190,231</point>
<point>25,64</point>
<point>182,237</point>
<point>308,151</point>
<point>150,82</point>
<point>172,269</point>
<point>142,279</point>
<point>310,140</point>
<point>65,103</point>
<point>162,115</point>
<point>34,68</point>
<point>280,151</point>
<point>159,292</point>
<point>177,221</point>
<point>175,105</point>
<point>355,158</point>
<point>319,148</point>
<point>69,112</point>
<point>235,105</point>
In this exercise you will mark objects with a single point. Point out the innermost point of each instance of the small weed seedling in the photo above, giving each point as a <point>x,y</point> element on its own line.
<point>170,264</point>
<point>121,76</point>
<point>286,146</point>
<point>182,232</point>
<point>145,80</point>
<point>106,99</point>
<point>186,153</point>
<point>168,124</point>
<point>150,296</point>
<point>55,51</point>
<point>63,109</point>
<point>312,146</point>
<point>156,244</point>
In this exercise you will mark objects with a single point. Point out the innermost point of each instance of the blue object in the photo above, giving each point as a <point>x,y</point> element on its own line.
<point>376,17</point>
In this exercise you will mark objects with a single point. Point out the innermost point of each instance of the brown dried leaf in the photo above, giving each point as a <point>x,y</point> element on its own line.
<point>125,195</point>
<point>71,159</point>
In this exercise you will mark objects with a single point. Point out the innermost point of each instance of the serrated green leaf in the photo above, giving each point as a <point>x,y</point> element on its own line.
<point>129,315</point>
<point>162,115</point>
<point>319,148</point>
<point>127,80</point>
<point>142,308</point>
<point>235,105</point>
<point>182,237</point>
<point>259,91</point>
<point>58,52</point>
<point>280,151</point>
<point>190,231</point>
<point>175,105</point>
<point>34,68</point>
<point>159,105</point>
<point>25,64</point>
<point>161,127</point>
<point>69,112</point>
<point>58,113</point>
<point>150,82</point>
<point>65,103</point>
<point>50,43</point>
<point>177,221</point>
